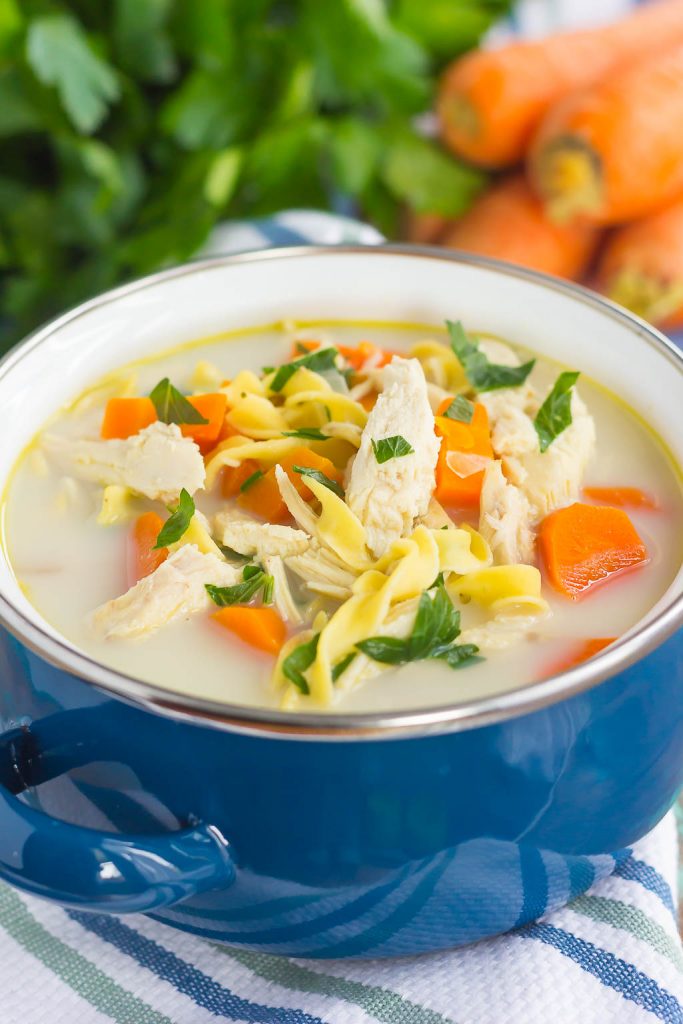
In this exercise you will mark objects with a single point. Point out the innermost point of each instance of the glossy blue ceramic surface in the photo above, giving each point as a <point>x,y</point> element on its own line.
<point>329,849</point>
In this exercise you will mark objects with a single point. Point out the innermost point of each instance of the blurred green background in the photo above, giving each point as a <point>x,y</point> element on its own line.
<point>128,128</point>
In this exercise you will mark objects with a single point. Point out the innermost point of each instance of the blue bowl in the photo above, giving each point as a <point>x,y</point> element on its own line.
<point>316,835</point>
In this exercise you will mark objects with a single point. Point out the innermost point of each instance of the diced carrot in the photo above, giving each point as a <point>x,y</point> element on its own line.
<point>584,651</point>
<point>472,438</point>
<point>491,100</point>
<point>212,407</point>
<point>621,496</point>
<point>234,476</point>
<point>509,223</point>
<point>585,545</point>
<point>307,346</point>
<point>143,557</point>
<point>368,401</point>
<point>309,460</point>
<point>608,153</point>
<point>263,499</point>
<point>124,417</point>
<point>259,627</point>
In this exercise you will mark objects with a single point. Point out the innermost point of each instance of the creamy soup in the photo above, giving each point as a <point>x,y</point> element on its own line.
<point>344,517</point>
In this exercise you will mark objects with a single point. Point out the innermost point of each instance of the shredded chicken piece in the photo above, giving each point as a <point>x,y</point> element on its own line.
<point>505,518</point>
<point>175,590</point>
<point>552,478</point>
<point>388,497</point>
<point>251,538</point>
<point>282,595</point>
<point>513,432</point>
<point>322,572</point>
<point>158,462</point>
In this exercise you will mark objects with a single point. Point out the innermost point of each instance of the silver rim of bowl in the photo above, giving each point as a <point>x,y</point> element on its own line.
<point>332,725</point>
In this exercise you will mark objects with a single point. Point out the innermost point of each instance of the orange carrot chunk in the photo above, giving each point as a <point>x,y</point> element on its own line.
<point>300,348</point>
<point>308,460</point>
<point>471,438</point>
<point>491,100</point>
<point>259,627</point>
<point>143,557</point>
<point>583,652</point>
<point>641,266</point>
<point>620,496</point>
<point>234,476</point>
<point>585,545</point>
<point>212,407</point>
<point>609,154</point>
<point>262,498</point>
<point>124,417</point>
<point>509,223</point>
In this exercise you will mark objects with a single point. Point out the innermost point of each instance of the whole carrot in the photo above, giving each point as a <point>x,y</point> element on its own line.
<point>491,101</point>
<point>614,152</point>
<point>509,223</point>
<point>641,266</point>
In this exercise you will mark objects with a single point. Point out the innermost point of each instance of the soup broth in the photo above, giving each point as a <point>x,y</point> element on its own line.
<point>70,563</point>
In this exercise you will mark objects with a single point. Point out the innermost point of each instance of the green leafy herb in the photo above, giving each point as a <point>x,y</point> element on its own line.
<point>315,474</point>
<point>483,375</point>
<point>342,666</point>
<point>460,409</point>
<point>251,480</point>
<point>253,579</point>
<point>172,407</point>
<point>268,590</point>
<point>232,555</point>
<point>130,129</point>
<point>307,434</point>
<point>317,362</point>
<point>555,415</point>
<point>178,522</point>
<point>298,660</point>
<point>436,627</point>
<point>391,448</point>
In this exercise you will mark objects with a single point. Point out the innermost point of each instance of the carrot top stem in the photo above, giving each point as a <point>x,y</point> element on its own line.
<point>569,178</point>
<point>650,297</point>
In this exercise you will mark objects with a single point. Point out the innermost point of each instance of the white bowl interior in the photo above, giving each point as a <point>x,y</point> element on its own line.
<point>376,284</point>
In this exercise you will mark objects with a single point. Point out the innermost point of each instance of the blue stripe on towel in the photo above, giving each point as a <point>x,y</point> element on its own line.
<point>193,983</point>
<point>534,885</point>
<point>632,870</point>
<point>618,974</point>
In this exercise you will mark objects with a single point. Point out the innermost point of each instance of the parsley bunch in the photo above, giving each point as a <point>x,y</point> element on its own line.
<point>129,128</point>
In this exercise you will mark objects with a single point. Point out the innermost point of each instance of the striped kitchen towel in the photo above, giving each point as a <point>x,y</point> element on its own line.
<point>613,956</point>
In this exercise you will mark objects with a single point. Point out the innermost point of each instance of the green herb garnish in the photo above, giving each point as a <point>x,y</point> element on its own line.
<point>232,555</point>
<point>172,407</point>
<point>391,448</point>
<point>251,480</point>
<point>178,522</point>
<point>483,375</point>
<point>315,474</point>
<point>253,579</point>
<point>323,359</point>
<point>307,434</point>
<point>460,409</point>
<point>342,666</point>
<point>298,660</point>
<point>268,590</point>
<point>555,415</point>
<point>436,627</point>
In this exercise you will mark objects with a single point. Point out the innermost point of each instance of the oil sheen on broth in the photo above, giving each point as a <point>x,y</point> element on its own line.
<point>68,564</point>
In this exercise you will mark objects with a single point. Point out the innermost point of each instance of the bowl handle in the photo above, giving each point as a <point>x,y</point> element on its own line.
<point>93,870</point>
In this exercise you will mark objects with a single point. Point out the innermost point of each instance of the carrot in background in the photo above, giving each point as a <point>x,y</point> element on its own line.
<point>641,266</point>
<point>143,557</point>
<point>509,223</point>
<point>614,152</point>
<point>259,627</point>
<point>584,545</point>
<point>619,496</point>
<point>424,228</point>
<point>491,101</point>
